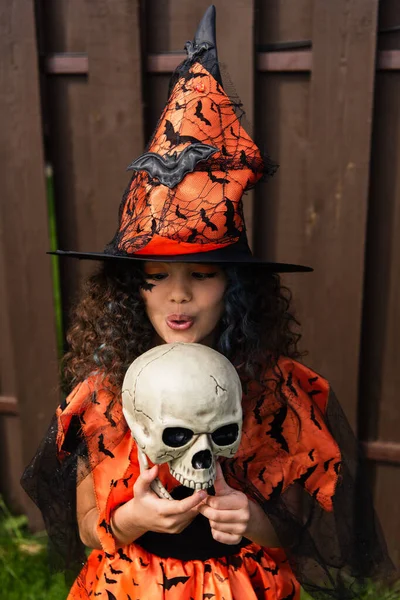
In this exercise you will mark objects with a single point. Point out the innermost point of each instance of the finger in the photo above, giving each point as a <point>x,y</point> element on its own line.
<point>172,508</point>
<point>232,528</point>
<point>226,538</point>
<point>223,516</point>
<point>142,484</point>
<point>188,504</point>
<point>220,485</point>
<point>233,501</point>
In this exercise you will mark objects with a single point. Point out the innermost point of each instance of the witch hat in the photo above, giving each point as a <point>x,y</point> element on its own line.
<point>184,201</point>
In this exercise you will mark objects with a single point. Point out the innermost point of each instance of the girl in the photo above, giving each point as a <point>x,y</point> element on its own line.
<point>179,269</point>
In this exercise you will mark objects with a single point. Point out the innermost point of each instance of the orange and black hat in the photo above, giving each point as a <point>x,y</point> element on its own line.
<point>184,201</point>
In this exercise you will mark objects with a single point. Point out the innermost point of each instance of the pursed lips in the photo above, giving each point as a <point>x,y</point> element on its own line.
<point>179,322</point>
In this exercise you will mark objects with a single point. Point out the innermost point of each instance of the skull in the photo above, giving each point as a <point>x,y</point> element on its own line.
<point>182,403</point>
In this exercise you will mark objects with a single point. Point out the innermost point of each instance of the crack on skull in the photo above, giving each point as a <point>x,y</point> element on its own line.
<point>217,386</point>
<point>137,379</point>
<point>145,414</point>
<point>137,410</point>
<point>166,455</point>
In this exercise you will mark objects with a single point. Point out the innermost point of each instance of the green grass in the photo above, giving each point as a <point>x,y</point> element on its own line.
<point>24,573</point>
<point>373,593</point>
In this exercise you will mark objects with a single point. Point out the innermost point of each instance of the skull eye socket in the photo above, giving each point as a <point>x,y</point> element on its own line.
<point>225,435</point>
<point>175,437</point>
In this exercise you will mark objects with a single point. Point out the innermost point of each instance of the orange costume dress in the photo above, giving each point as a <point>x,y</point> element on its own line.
<point>297,458</point>
<point>284,443</point>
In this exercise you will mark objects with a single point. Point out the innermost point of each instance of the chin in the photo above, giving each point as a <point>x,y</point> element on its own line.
<point>188,337</point>
<point>182,337</point>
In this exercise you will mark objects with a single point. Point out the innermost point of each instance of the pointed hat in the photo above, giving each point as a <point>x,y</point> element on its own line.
<point>184,201</point>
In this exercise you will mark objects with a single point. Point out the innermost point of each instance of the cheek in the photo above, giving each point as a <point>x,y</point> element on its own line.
<point>215,301</point>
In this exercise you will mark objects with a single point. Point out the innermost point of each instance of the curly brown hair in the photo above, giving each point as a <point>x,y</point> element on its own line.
<point>110,327</point>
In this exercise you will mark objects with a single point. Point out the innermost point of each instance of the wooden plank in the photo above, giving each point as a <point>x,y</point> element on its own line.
<point>64,26</point>
<point>333,226</point>
<point>69,148</point>
<point>164,63</point>
<point>284,61</point>
<point>61,25</point>
<point>115,111</point>
<point>301,60</point>
<point>8,405</point>
<point>318,212</point>
<point>11,462</point>
<point>289,61</point>
<point>380,374</point>
<point>7,365</point>
<point>388,60</point>
<point>23,219</point>
<point>282,20</point>
<point>157,27</point>
<point>388,507</point>
<point>388,452</point>
<point>95,125</point>
<point>281,114</point>
<point>379,371</point>
<point>67,64</point>
<point>282,106</point>
<point>156,97</point>
<point>389,17</point>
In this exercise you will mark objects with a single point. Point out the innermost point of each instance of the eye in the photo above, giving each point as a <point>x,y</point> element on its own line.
<point>225,435</point>
<point>156,276</point>
<point>200,276</point>
<point>175,437</point>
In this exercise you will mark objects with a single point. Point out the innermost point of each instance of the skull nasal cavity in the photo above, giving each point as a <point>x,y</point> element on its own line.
<point>202,460</point>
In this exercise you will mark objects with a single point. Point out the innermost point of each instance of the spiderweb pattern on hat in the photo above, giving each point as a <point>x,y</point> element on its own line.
<point>205,206</point>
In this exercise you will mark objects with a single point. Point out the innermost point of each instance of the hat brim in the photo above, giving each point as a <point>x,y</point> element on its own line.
<point>212,256</point>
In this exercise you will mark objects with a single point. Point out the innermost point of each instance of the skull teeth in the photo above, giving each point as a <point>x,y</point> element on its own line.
<point>160,489</point>
<point>194,485</point>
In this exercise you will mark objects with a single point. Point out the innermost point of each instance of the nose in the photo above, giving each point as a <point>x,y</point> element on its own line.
<point>202,460</point>
<point>180,290</point>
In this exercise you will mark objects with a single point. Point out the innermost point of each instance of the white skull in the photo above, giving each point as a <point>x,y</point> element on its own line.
<point>182,403</point>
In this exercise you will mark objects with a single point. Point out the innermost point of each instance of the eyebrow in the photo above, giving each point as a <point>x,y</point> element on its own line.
<point>207,268</point>
<point>155,267</point>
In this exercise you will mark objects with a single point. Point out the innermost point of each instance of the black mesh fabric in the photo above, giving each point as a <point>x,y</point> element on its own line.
<point>52,476</point>
<point>334,555</point>
<point>51,484</point>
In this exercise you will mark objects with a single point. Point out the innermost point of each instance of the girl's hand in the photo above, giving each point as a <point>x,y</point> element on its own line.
<point>147,512</point>
<point>228,511</point>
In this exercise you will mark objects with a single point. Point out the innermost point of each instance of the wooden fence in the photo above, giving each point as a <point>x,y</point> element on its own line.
<point>82,83</point>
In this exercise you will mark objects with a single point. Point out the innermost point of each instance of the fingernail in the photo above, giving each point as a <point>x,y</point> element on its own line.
<point>202,494</point>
